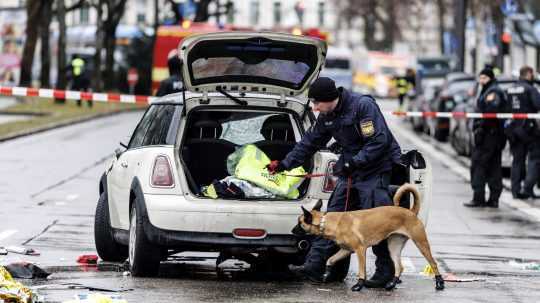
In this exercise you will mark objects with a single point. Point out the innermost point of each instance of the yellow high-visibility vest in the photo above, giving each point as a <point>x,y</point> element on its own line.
<point>77,65</point>
<point>251,165</point>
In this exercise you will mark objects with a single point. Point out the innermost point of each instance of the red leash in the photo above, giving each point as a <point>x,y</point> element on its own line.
<point>349,183</point>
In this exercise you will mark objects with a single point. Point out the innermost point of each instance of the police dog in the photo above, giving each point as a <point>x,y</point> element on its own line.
<point>355,231</point>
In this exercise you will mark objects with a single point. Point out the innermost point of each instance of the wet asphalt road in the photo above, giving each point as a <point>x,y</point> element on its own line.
<point>48,192</point>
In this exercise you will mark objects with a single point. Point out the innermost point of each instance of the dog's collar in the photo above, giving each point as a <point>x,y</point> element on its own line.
<point>321,225</point>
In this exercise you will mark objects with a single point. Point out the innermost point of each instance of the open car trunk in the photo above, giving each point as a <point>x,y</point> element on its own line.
<point>213,134</point>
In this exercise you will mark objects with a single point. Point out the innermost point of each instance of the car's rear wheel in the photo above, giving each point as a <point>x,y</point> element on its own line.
<point>106,246</point>
<point>144,257</point>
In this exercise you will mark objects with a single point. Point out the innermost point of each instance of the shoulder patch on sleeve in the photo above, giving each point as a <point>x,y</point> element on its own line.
<point>367,128</point>
<point>490,97</point>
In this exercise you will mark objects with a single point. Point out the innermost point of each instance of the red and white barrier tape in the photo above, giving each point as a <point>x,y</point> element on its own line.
<point>75,95</point>
<point>119,98</point>
<point>464,115</point>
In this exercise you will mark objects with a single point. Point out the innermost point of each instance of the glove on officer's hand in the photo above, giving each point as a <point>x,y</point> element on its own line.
<point>348,168</point>
<point>345,166</point>
<point>275,167</point>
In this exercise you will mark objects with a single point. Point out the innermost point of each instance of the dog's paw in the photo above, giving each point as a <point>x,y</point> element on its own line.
<point>439,282</point>
<point>358,286</point>
<point>391,284</point>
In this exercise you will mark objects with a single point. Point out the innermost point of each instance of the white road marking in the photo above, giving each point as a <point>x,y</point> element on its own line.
<point>462,171</point>
<point>7,233</point>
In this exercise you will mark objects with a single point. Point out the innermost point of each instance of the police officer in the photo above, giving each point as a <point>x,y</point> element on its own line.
<point>368,153</point>
<point>404,85</point>
<point>79,77</point>
<point>174,83</point>
<point>525,99</point>
<point>522,134</point>
<point>489,141</point>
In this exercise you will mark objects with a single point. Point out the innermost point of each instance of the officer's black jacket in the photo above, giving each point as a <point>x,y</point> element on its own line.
<point>359,127</point>
<point>173,84</point>
<point>492,99</point>
<point>524,98</point>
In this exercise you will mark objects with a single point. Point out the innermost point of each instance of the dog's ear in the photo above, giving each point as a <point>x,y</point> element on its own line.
<point>308,218</point>
<point>318,206</point>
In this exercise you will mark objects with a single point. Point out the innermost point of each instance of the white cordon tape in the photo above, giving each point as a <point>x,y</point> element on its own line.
<point>464,115</point>
<point>117,98</point>
<point>74,95</point>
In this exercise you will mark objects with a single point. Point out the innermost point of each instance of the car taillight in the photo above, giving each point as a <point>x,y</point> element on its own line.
<point>330,180</point>
<point>249,233</point>
<point>161,174</point>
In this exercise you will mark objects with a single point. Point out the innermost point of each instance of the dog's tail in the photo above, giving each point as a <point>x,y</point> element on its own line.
<point>405,189</point>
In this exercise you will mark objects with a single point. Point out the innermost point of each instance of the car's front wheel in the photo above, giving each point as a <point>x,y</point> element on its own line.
<point>144,257</point>
<point>106,246</point>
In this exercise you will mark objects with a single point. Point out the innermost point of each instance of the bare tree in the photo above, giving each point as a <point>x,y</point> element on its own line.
<point>61,10</point>
<point>380,20</point>
<point>109,13</point>
<point>44,25</point>
<point>33,11</point>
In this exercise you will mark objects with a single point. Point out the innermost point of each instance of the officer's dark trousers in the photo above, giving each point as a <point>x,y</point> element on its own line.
<point>519,151</point>
<point>364,194</point>
<point>486,167</point>
<point>533,166</point>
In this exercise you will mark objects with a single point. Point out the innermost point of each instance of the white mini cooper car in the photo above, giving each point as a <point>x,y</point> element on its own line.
<point>241,88</point>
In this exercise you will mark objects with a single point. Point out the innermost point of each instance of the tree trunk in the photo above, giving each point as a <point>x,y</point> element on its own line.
<point>441,10</point>
<point>202,14</point>
<point>44,23</point>
<point>115,12</point>
<point>110,46</point>
<point>61,81</point>
<point>100,35</point>
<point>33,8</point>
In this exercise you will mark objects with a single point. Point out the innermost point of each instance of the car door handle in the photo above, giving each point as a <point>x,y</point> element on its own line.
<point>124,164</point>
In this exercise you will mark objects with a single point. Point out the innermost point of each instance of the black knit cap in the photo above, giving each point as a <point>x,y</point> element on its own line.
<point>323,90</point>
<point>488,72</point>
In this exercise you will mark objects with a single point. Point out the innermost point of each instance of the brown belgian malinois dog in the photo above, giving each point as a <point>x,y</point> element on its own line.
<point>355,231</point>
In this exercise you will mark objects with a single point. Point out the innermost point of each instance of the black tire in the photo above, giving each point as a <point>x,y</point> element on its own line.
<point>144,257</point>
<point>440,135</point>
<point>107,248</point>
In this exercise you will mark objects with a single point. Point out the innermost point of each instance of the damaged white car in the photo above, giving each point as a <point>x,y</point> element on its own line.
<point>242,88</point>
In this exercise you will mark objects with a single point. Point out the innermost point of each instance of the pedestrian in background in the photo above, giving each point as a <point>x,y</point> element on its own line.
<point>489,141</point>
<point>524,135</point>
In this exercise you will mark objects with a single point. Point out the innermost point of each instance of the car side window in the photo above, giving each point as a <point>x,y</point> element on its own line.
<point>158,132</point>
<point>140,132</point>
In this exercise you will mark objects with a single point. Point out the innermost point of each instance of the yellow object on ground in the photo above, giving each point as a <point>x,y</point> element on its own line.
<point>250,163</point>
<point>97,298</point>
<point>428,271</point>
<point>12,291</point>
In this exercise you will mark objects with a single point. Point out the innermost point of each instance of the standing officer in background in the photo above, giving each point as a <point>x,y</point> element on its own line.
<point>174,83</point>
<point>79,77</point>
<point>524,134</point>
<point>489,141</point>
<point>369,151</point>
<point>405,85</point>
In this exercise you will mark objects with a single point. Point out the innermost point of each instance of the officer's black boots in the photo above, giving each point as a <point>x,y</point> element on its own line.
<point>384,271</point>
<point>493,203</point>
<point>303,272</point>
<point>473,203</point>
